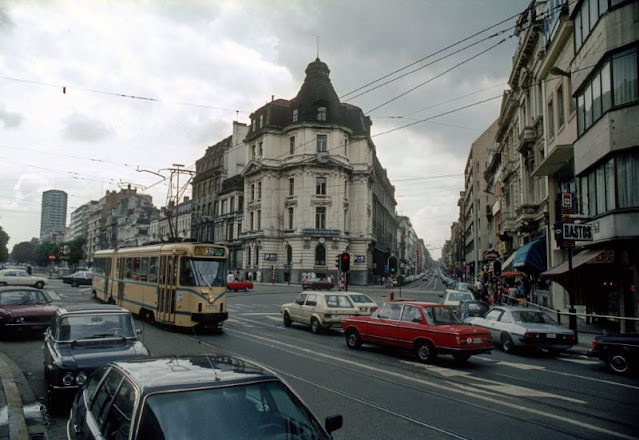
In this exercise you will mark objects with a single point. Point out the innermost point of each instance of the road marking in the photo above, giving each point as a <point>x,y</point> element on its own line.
<point>313,354</point>
<point>578,361</point>
<point>521,366</point>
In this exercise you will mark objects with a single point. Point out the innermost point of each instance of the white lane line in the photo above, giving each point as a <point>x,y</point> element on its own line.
<point>578,361</point>
<point>472,394</point>
<point>521,366</point>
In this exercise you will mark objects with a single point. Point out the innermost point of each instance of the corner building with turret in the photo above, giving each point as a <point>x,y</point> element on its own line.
<point>313,188</point>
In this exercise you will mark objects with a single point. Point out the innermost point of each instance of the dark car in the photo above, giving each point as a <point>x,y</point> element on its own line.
<point>473,308</point>
<point>79,278</point>
<point>24,309</point>
<point>193,397</point>
<point>82,338</point>
<point>620,352</point>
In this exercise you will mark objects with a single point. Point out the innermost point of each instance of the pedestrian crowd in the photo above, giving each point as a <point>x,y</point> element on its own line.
<point>497,291</point>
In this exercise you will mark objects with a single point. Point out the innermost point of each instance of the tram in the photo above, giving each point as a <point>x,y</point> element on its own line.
<point>178,284</point>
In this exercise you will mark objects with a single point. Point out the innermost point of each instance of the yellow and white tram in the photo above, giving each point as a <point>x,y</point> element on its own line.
<point>180,284</point>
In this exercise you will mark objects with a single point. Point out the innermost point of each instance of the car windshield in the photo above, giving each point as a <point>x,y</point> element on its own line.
<point>458,296</point>
<point>203,272</point>
<point>15,297</point>
<point>462,286</point>
<point>338,301</point>
<point>532,316</point>
<point>440,315</point>
<point>95,326</point>
<point>266,410</point>
<point>360,299</point>
<point>476,309</point>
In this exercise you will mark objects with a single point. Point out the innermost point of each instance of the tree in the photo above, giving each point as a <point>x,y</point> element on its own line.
<point>43,250</point>
<point>4,239</point>
<point>24,252</point>
<point>76,253</point>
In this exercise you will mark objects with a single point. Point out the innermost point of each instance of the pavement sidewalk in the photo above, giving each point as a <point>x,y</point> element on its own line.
<point>21,417</point>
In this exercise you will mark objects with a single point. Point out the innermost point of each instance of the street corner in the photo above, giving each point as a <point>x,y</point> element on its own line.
<point>21,417</point>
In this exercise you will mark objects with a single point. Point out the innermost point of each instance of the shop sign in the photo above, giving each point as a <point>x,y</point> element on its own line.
<point>572,231</point>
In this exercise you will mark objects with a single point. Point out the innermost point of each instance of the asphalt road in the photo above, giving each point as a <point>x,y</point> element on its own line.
<point>388,394</point>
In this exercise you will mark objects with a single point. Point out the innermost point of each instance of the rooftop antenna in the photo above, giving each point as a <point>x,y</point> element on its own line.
<point>317,46</point>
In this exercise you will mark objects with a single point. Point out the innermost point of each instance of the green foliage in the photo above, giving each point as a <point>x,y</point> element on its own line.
<point>4,239</point>
<point>76,254</point>
<point>24,252</point>
<point>42,252</point>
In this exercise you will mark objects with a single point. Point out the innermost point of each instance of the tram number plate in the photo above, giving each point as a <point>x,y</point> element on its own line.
<point>211,307</point>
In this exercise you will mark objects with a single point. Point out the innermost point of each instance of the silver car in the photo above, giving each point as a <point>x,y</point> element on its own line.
<point>525,327</point>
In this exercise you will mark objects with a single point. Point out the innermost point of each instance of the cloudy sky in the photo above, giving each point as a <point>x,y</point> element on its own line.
<point>92,91</point>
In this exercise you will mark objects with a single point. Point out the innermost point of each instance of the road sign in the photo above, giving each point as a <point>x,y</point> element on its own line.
<point>576,232</point>
<point>51,257</point>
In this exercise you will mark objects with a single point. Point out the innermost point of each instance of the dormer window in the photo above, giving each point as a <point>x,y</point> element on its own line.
<point>261,121</point>
<point>321,113</point>
<point>295,115</point>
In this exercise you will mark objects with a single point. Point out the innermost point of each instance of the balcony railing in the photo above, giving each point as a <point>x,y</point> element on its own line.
<point>527,138</point>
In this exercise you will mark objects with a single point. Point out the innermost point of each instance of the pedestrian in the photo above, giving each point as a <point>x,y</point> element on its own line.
<point>230,277</point>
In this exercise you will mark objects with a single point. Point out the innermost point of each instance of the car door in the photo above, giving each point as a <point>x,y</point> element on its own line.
<point>310,306</point>
<point>295,310</point>
<point>384,329</point>
<point>409,327</point>
<point>491,322</point>
<point>23,278</point>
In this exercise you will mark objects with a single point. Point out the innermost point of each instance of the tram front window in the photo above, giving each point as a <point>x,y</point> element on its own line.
<point>202,273</point>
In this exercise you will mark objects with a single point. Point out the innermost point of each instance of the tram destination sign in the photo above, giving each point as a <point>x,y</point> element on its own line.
<point>576,232</point>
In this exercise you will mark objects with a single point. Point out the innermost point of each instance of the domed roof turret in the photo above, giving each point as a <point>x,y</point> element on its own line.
<point>317,91</point>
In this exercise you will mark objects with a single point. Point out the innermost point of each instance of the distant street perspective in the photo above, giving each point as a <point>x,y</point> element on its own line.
<point>314,221</point>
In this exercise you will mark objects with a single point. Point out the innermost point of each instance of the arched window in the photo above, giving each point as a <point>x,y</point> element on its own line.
<point>320,255</point>
<point>289,254</point>
<point>248,256</point>
<point>257,255</point>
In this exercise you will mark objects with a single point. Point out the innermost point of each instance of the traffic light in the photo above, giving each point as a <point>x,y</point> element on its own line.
<point>497,268</point>
<point>392,265</point>
<point>345,261</point>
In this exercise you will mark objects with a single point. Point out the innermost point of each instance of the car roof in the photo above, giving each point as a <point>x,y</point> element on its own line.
<point>517,309</point>
<point>80,309</point>
<point>9,288</point>
<point>417,303</point>
<point>155,374</point>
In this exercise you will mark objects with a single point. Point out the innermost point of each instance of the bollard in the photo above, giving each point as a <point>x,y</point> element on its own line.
<point>392,295</point>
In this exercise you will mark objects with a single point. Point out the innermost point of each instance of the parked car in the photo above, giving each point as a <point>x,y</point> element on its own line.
<point>471,309</point>
<point>363,302</point>
<point>82,338</point>
<point>20,277</point>
<point>24,309</point>
<point>236,286</point>
<point>620,352</point>
<point>525,327</point>
<point>79,278</point>
<point>317,284</point>
<point>429,329</point>
<point>454,297</point>
<point>320,310</point>
<point>202,396</point>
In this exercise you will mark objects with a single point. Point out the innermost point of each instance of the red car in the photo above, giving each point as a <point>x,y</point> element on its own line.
<point>427,328</point>
<point>24,309</point>
<point>239,285</point>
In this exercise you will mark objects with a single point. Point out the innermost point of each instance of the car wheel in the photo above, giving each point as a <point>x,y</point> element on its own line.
<point>461,357</point>
<point>507,343</point>
<point>316,327</point>
<point>39,285</point>
<point>353,340</point>
<point>425,351</point>
<point>618,362</point>
<point>287,320</point>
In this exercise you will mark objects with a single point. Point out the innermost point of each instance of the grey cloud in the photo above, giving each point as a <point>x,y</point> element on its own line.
<point>84,129</point>
<point>9,119</point>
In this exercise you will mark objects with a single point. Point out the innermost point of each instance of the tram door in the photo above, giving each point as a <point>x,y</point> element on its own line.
<point>108,276</point>
<point>166,297</point>
<point>121,269</point>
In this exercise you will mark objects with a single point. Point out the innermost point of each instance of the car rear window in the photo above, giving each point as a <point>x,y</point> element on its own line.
<point>338,301</point>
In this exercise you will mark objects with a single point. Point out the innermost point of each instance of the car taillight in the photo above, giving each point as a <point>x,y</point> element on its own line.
<point>594,343</point>
<point>373,309</point>
<point>530,335</point>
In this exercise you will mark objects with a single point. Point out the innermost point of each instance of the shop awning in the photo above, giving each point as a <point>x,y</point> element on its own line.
<point>508,261</point>
<point>531,257</point>
<point>582,257</point>
<point>556,159</point>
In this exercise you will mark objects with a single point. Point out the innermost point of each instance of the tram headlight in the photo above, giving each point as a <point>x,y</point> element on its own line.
<point>211,300</point>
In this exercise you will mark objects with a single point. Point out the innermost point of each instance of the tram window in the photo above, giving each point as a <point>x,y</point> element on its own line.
<point>153,270</point>
<point>144,269</point>
<point>186,274</point>
<point>136,269</point>
<point>128,271</point>
<point>206,272</point>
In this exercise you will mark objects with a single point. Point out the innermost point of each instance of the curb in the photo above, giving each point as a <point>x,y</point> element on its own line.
<point>16,395</point>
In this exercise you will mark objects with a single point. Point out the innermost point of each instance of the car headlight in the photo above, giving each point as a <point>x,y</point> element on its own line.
<point>18,320</point>
<point>68,378</point>
<point>81,378</point>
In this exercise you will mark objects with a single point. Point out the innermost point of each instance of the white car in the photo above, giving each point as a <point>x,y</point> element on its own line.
<point>363,302</point>
<point>525,327</point>
<point>320,310</point>
<point>455,297</point>
<point>20,277</point>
